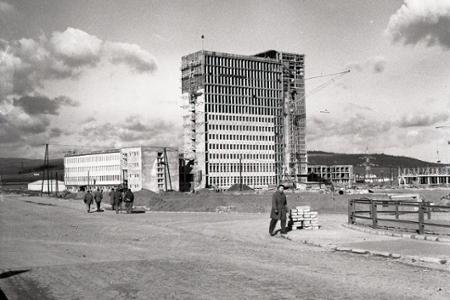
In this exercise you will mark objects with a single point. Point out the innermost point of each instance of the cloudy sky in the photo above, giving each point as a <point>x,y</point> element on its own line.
<point>92,74</point>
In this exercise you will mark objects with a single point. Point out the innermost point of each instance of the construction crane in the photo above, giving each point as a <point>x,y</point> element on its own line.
<point>294,117</point>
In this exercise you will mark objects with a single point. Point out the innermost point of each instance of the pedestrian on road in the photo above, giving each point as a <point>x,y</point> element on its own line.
<point>117,200</point>
<point>128,198</point>
<point>98,196</point>
<point>111,198</point>
<point>88,200</point>
<point>279,211</point>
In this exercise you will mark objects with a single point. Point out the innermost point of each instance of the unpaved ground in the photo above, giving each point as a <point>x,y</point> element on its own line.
<point>64,253</point>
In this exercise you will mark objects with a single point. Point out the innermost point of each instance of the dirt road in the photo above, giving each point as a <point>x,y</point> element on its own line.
<point>53,249</point>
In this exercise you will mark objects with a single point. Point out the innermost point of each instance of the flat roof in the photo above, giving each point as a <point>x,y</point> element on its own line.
<point>106,151</point>
<point>231,55</point>
<point>256,57</point>
<point>117,150</point>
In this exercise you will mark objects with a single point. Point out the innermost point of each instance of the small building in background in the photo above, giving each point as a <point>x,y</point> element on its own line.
<point>151,168</point>
<point>336,174</point>
<point>428,176</point>
<point>52,186</point>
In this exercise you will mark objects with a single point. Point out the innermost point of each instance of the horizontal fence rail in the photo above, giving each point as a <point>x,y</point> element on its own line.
<point>377,211</point>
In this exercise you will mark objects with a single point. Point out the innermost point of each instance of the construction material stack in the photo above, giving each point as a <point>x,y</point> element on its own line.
<point>301,217</point>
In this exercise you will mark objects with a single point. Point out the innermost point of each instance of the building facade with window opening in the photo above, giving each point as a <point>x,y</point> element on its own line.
<point>240,123</point>
<point>151,168</point>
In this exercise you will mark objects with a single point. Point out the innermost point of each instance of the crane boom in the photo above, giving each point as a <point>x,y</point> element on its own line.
<point>328,75</point>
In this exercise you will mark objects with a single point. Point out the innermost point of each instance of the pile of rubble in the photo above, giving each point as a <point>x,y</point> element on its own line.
<point>225,209</point>
<point>301,217</point>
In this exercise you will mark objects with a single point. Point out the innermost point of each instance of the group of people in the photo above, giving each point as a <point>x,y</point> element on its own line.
<point>116,197</point>
<point>90,197</point>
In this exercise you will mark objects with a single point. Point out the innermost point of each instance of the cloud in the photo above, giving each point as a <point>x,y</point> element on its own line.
<point>359,126</point>
<point>35,105</point>
<point>355,106</point>
<point>133,131</point>
<point>376,64</point>
<point>423,120</point>
<point>356,133</point>
<point>421,21</point>
<point>6,8</point>
<point>25,64</point>
<point>89,120</point>
<point>76,48</point>
<point>17,126</point>
<point>55,132</point>
<point>132,56</point>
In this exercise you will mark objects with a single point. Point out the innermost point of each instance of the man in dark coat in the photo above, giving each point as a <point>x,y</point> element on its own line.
<point>111,198</point>
<point>88,200</point>
<point>117,200</point>
<point>98,196</point>
<point>128,199</point>
<point>279,210</point>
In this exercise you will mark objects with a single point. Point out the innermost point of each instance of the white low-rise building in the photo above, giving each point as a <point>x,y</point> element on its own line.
<point>49,185</point>
<point>151,168</point>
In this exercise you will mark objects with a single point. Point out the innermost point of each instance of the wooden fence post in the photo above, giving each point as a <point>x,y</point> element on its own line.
<point>373,213</point>
<point>421,218</point>
<point>428,211</point>
<point>351,210</point>
<point>396,210</point>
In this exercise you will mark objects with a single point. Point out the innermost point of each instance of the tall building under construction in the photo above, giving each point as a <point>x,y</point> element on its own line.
<point>244,118</point>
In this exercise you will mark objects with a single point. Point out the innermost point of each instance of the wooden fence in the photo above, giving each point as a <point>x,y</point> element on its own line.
<point>369,209</point>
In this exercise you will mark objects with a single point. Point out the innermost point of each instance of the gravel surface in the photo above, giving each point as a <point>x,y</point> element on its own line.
<point>53,249</point>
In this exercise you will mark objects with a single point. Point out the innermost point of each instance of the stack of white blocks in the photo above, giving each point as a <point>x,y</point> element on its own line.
<point>303,218</point>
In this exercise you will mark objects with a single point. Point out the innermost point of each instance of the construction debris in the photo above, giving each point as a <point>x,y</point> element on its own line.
<point>301,217</point>
<point>225,209</point>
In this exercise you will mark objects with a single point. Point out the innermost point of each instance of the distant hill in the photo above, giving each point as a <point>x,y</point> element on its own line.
<point>383,165</point>
<point>379,160</point>
<point>11,166</point>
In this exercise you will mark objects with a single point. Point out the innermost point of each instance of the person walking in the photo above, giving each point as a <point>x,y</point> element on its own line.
<point>279,211</point>
<point>128,198</point>
<point>88,200</point>
<point>98,196</point>
<point>117,200</point>
<point>111,198</point>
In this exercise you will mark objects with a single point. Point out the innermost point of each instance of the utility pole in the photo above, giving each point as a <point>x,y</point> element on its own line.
<point>45,172</point>
<point>240,172</point>
<point>56,183</point>
<point>167,170</point>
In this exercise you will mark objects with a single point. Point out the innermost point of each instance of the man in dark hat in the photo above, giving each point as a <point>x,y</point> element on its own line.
<point>117,200</point>
<point>111,198</point>
<point>279,211</point>
<point>98,196</point>
<point>128,199</point>
<point>88,200</point>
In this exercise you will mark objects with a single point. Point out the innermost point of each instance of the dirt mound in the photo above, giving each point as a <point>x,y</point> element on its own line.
<point>75,196</point>
<point>204,191</point>
<point>147,198</point>
<point>445,200</point>
<point>237,187</point>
